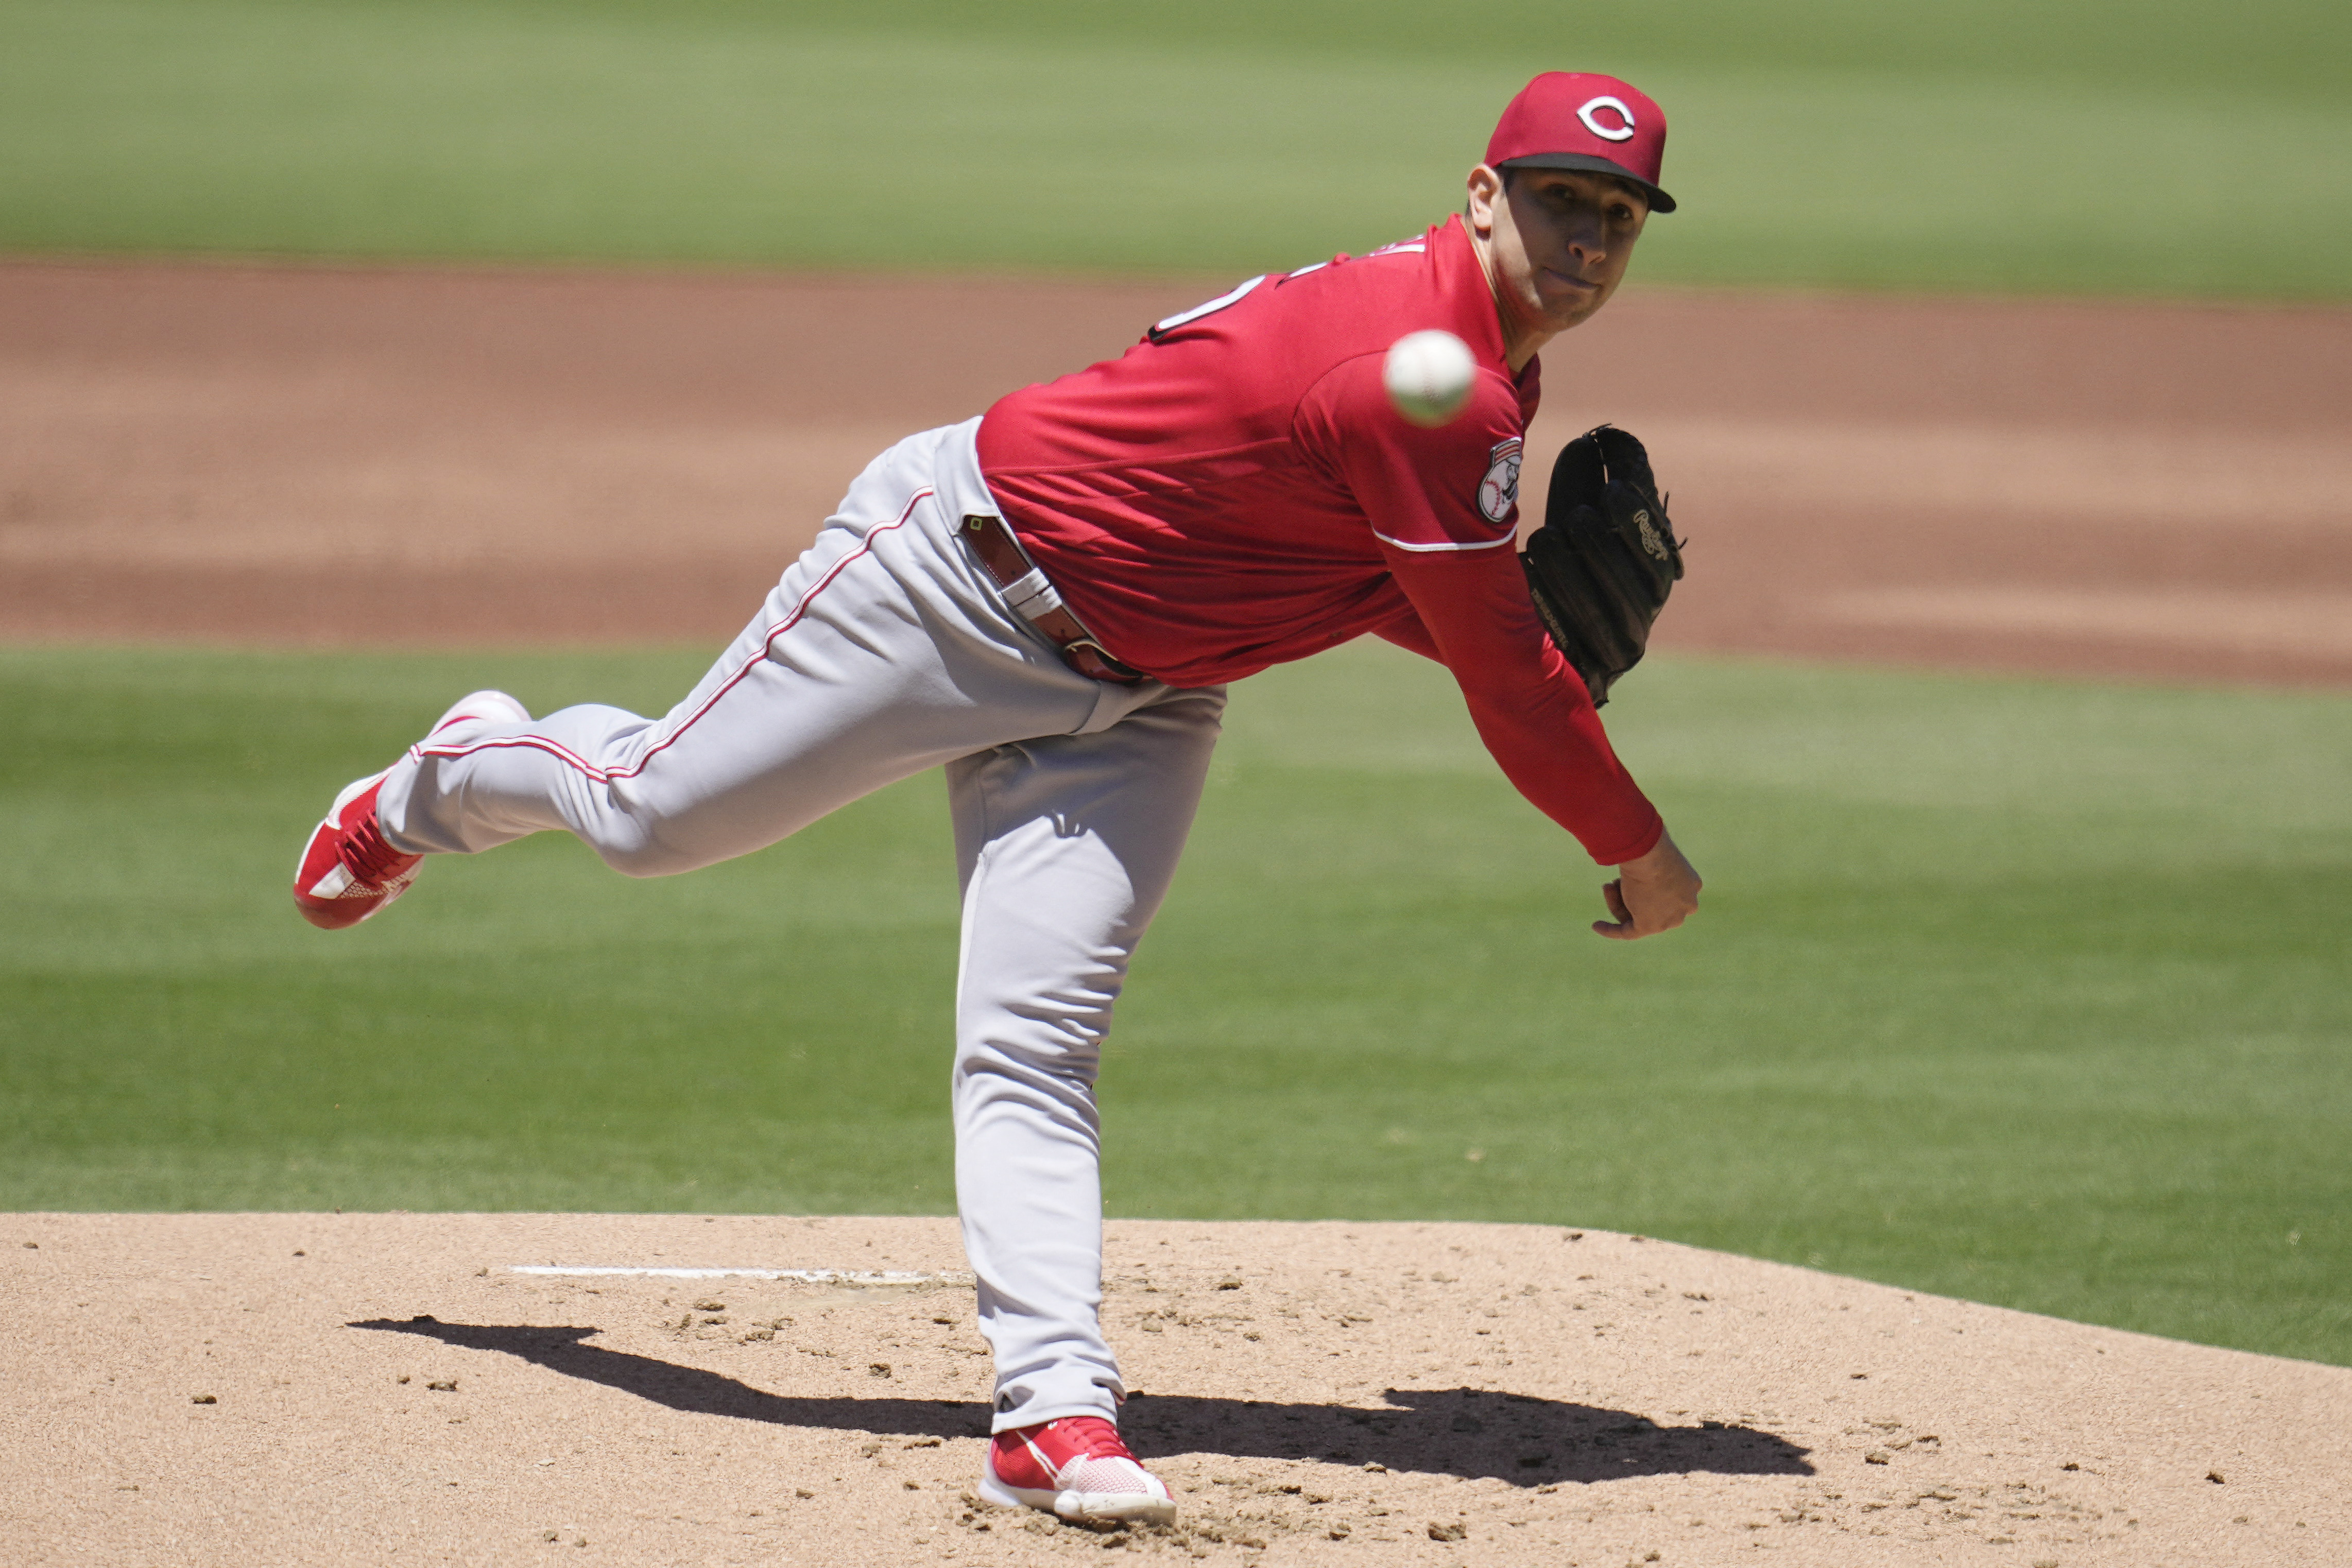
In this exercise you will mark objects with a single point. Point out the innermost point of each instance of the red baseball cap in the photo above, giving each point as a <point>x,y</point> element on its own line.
<point>1575,119</point>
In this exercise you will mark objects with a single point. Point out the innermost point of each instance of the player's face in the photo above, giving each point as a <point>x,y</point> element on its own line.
<point>1559,240</point>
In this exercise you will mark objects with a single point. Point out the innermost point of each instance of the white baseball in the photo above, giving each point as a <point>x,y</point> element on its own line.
<point>1428,375</point>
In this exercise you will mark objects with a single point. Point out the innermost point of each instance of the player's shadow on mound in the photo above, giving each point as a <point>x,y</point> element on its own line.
<point>1518,1438</point>
<point>1468,1432</point>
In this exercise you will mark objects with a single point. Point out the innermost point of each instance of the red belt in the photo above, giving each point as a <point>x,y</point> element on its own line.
<point>1033,599</point>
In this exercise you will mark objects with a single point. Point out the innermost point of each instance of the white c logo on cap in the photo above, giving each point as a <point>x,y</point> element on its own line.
<point>1608,100</point>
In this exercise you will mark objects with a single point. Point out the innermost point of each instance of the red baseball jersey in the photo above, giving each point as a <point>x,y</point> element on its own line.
<point>1237,491</point>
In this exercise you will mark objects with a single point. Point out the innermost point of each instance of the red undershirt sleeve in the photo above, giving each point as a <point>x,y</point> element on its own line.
<point>1407,632</point>
<point>1529,706</point>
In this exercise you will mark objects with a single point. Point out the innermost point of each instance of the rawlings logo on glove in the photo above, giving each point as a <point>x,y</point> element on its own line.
<point>1600,567</point>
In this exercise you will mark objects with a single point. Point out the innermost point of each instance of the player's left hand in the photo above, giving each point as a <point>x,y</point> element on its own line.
<point>1654,893</point>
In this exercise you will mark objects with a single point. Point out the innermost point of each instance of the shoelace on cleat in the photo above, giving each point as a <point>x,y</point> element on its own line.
<point>1099,1438</point>
<point>368,858</point>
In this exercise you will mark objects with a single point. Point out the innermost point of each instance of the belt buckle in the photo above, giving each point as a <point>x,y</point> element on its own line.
<point>1079,652</point>
<point>1082,653</point>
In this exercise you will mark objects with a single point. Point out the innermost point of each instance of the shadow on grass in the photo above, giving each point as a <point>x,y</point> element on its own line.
<point>1468,1432</point>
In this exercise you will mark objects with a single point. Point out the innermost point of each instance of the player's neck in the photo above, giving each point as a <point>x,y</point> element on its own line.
<point>1522,339</point>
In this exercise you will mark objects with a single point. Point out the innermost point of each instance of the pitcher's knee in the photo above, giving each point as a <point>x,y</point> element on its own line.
<point>642,856</point>
<point>1053,1062</point>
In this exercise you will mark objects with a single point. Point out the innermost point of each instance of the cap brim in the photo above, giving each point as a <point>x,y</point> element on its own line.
<point>1659,200</point>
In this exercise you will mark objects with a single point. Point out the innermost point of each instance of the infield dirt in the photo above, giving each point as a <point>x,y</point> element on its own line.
<point>301,1388</point>
<point>323,456</point>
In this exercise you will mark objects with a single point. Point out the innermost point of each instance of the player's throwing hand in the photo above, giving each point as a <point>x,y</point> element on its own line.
<point>1654,893</point>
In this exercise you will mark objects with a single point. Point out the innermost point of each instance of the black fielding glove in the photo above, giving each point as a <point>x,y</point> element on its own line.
<point>1600,567</point>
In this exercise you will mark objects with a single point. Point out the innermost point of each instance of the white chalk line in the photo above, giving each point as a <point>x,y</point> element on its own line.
<point>800,1276</point>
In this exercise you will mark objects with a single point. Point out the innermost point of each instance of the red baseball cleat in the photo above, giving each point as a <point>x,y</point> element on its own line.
<point>348,872</point>
<point>1076,1468</point>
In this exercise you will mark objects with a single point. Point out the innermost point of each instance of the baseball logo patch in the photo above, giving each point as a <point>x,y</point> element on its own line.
<point>1589,112</point>
<point>1499,492</point>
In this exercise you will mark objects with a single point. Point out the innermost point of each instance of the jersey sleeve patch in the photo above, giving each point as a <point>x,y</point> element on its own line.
<point>1499,492</point>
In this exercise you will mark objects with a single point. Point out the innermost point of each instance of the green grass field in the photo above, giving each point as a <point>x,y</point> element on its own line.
<point>2031,992</point>
<point>1986,145</point>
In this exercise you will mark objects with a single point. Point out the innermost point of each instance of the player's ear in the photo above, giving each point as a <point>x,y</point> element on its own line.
<point>1486,188</point>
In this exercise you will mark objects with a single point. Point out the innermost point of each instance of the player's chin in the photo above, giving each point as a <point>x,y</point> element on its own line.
<point>1567,301</point>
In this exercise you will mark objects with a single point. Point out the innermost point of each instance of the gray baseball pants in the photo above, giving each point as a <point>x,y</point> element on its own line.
<point>886,651</point>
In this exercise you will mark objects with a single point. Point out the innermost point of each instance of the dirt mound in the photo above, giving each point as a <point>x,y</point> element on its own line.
<point>299,1389</point>
<point>327,456</point>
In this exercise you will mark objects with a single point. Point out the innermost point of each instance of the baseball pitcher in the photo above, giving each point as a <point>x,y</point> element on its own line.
<point>1049,601</point>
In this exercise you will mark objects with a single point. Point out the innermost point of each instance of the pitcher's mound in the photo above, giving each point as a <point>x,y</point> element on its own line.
<point>297,1388</point>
